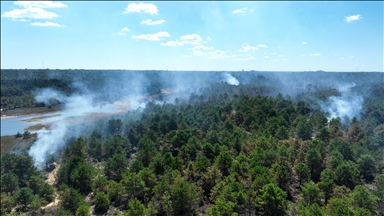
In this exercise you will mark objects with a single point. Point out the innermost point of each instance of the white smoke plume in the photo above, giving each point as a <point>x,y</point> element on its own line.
<point>48,142</point>
<point>230,79</point>
<point>78,108</point>
<point>119,93</point>
<point>346,106</point>
<point>48,96</point>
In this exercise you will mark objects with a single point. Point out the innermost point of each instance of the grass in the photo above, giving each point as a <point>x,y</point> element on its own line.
<point>8,143</point>
<point>37,127</point>
<point>31,111</point>
<point>39,118</point>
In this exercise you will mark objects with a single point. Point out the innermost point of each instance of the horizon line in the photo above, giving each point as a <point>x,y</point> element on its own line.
<point>162,70</point>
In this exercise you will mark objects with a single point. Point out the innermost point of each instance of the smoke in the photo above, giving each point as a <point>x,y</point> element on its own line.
<point>346,106</point>
<point>49,96</point>
<point>115,92</point>
<point>230,79</point>
<point>98,94</point>
<point>48,142</point>
<point>77,109</point>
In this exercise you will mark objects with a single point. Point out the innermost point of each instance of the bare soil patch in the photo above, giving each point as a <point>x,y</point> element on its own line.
<point>52,175</point>
<point>51,179</point>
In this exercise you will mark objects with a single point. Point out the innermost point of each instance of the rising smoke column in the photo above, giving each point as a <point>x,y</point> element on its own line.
<point>346,106</point>
<point>49,141</point>
<point>230,79</point>
<point>77,108</point>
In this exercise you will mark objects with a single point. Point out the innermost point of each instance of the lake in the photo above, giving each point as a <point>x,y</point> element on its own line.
<point>12,125</point>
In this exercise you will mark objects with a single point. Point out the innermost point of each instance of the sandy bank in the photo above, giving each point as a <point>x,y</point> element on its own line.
<point>6,117</point>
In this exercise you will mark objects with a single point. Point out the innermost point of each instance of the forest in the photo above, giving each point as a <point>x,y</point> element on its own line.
<point>222,143</point>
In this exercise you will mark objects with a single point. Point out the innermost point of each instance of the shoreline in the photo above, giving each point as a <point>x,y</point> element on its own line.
<point>7,117</point>
<point>21,112</point>
<point>17,116</point>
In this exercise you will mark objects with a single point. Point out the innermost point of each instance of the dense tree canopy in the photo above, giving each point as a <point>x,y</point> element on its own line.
<point>229,150</point>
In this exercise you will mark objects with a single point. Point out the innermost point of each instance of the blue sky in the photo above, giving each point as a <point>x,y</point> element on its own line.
<point>271,36</point>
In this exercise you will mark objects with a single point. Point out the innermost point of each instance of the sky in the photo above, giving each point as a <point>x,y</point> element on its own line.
<point>220,36</point>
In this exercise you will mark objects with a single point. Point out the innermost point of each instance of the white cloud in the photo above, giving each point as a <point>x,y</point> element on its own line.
<point>302,55</point>
<point>246,48</point>
<point>150,22</point>
<point>351,57</point>
<point>265,53</point>
<point>239,11</point>
<point>146,7</point>
<point>40,4</point>
<point>152,37</point>
<point>185,56</point>
<point>274,53</point>
<point>193,39</point>
<point>281,55</point>
<point>21,20</point>
<point>198,53</point>
<point>266,57</point>
<point>208,39</point>
<point>122,31</point>
<point>29,13</point>
<point>305,43</point>
<point>218,54</point>
<point>316,54</point>
<point>284,59</point>
<point>352,18</point>
<point>172,43</point>
<point>47,24</point>
<point>341,58</point>
<point>34,10</point>
<point>262,46</point>
<point>202,47</point>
